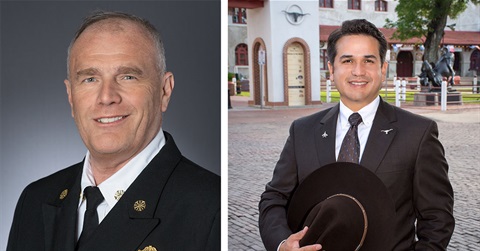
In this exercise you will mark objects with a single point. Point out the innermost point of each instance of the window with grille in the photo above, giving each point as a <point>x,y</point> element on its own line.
<point>354,4</point>
<point>239,16</point>
<point>381,5</point>
<point>326,3</point>
<point>241,54</point>
<point>323,60</point>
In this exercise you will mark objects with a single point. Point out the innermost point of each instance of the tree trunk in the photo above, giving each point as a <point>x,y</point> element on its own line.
<point>436,30</point>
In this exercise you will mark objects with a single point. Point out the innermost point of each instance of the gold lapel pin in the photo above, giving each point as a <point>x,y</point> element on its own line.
<point>64,194</point>
<point>149,248</point>
<point>118,194</point>
<point>139,205</point>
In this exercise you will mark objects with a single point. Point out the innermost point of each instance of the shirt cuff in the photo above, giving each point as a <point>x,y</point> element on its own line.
<point>278,248</point>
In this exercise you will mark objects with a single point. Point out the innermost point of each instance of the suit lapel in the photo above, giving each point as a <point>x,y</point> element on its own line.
<point>381,136</point>
<point>133,217</point>
<point>60,216</point>
<point>325,133</point>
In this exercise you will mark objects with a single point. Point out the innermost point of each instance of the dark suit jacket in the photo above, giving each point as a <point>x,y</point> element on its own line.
<point>409,160</point>
<point>182,210</point>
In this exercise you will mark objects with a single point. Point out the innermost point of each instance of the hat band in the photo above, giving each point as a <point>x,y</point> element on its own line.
<point>364,216</point>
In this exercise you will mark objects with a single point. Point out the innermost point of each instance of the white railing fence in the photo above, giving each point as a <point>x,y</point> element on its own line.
<point>423,96</point>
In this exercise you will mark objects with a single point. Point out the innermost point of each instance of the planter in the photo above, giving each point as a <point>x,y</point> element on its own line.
<point>231,88</point>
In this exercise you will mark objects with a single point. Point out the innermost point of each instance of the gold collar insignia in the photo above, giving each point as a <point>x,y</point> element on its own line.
<point>149,248</point>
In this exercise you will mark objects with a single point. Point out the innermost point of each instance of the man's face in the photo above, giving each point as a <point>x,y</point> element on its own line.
<point>357,70</point>
<point>115,90</point>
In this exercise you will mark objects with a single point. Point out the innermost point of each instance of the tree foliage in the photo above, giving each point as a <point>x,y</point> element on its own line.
<point>426,19</point>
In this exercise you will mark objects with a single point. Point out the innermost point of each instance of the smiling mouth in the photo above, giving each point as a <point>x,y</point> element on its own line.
<point>358,83</point>
<point>110,120</point>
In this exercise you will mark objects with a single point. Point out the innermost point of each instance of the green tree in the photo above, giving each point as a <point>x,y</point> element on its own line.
<point>426,19</point>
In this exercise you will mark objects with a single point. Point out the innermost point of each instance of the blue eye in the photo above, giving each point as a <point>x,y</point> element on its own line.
<point>129,78</point>
<point>89,80</point>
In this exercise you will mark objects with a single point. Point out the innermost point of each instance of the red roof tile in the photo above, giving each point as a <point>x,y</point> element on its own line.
<point>248,4</point>
<point>450,38</point>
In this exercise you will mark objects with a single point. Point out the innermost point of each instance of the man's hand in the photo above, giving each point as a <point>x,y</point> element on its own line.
<point>293,242</point>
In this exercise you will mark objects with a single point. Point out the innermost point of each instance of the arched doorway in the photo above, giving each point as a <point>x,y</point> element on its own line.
<point>404,64</point>
<point>257,45</point>
<point>475,61</point>
<point>457,63</point>
<point>296,68</point>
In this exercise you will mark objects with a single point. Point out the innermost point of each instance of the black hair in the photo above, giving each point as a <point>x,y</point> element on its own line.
<point>356,27</point>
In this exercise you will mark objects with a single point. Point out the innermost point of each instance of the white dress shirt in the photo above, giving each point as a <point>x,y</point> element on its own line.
<point>368,114</point>
<point>114,187</point>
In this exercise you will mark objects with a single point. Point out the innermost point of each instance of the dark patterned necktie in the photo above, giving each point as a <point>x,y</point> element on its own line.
<point>350,150</point>
<point>90,221</point>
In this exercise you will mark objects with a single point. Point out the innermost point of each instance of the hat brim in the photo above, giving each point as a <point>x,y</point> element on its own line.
<point>352,179</point>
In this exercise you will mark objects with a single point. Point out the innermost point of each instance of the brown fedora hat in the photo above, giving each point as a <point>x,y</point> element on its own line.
<point>345,206</point>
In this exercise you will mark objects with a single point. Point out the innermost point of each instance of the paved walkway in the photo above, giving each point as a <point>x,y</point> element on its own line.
<point>256,138</point>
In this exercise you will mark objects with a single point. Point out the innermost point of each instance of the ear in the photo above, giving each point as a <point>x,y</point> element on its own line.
<point>384,71</point>
<point>168,84</point>
<point>330,69</point>
<point>68,85</point>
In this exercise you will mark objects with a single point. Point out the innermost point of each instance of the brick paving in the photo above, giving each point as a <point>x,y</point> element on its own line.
<point>256,138</point>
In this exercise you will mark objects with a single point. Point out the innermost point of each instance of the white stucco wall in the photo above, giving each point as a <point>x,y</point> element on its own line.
<point>469,20</point>
<point>270,24</point>
<point>237,34</point>
<point>340,13</point>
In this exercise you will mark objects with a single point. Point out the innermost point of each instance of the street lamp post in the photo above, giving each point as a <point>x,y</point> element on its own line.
<point>261,63</point>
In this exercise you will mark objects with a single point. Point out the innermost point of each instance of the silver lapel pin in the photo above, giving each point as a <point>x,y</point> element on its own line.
<point>324,135</point>
<point>387,131</point>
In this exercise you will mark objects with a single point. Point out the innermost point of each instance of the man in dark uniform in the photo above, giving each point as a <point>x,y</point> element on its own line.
<point>134,190</point>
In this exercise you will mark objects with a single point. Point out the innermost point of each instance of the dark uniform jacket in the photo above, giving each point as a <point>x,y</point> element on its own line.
<point>182,210</point>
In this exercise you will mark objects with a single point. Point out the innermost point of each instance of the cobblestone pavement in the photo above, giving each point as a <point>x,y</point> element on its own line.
<point>256,138</point>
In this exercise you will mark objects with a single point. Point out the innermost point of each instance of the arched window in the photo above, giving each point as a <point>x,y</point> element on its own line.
<point>241,54</point>
<point>475,61</point>
<point>381,5</point>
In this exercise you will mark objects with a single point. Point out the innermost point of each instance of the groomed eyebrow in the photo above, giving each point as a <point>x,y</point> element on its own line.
<point>120,70</point>
<point>345,56</point>
<point>129,70</point>
<point>370,56</point>
<point>87,72</point>
<point>351,56</point>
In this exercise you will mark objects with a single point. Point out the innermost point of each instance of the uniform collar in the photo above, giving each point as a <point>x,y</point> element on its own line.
<point>113,188</point>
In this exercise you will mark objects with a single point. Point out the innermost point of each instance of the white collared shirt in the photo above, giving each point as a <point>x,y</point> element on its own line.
<point>368,114</point>
<point>114,187</point>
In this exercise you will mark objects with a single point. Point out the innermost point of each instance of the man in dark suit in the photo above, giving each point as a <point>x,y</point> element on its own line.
<point>401,148</point>
<point>148,196</point>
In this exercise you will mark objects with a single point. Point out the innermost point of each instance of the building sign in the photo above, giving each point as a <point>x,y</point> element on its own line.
<point>296,75</point>
<point>261,56</point>
<point>294,14</point>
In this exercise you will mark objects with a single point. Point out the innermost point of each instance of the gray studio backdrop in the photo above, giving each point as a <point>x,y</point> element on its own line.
<point>38,135</point>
